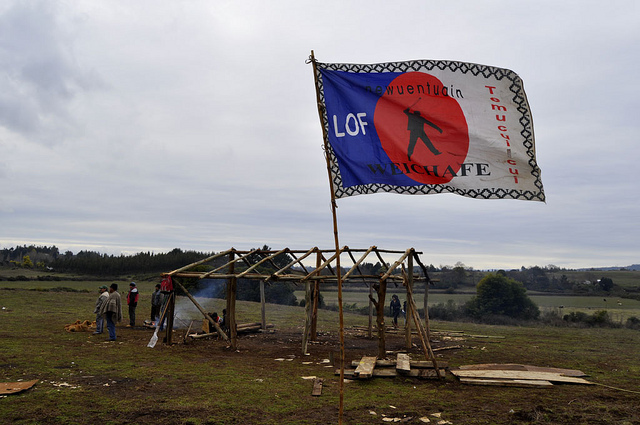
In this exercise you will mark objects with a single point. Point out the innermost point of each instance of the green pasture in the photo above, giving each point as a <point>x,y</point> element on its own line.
<point>619,308</point>
<point>84,380</point>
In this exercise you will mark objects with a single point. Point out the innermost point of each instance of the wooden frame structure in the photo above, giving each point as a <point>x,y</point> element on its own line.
<point>263,265</point>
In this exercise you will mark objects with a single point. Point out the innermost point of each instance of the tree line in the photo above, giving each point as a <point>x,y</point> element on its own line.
<point>450,278</point>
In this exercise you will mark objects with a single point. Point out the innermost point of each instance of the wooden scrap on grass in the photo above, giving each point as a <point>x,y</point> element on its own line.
<point>451,347</point>
<point>521,383</point>
<point>517,375</point>
<point>403,363</point>
<point>515,366</point>
<point>317,387</point>
<point>16,387</point>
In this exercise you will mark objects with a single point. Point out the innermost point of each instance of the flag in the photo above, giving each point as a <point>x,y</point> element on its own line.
<point>427,127</point>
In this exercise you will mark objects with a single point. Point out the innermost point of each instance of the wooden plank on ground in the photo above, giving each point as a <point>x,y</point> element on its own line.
<point>16,387</point>
<point>519,374</point>
<point>427,364</point>
<point>365,367</point>
<point>403,364</point>
<point>379,363</point>
<point>317,387</point>
<point>451,347</point>
<point>424,364</point>
<point>377,373</point>
<point>426,373</point>
<point>514,366</point>
<point>523,383</point>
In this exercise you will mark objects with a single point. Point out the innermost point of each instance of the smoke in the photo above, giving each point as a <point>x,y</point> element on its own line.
<point>209,293</point>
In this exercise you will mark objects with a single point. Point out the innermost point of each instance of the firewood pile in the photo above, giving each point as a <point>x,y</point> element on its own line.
<point>242,328</point>
<point>81,326</point>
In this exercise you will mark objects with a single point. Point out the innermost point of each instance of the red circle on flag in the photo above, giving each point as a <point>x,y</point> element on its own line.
<point>421,125</point>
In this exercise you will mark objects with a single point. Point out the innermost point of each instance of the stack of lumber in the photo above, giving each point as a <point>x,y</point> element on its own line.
<point>241,329</point>
<point>517,375</point>
<point>369,367</point>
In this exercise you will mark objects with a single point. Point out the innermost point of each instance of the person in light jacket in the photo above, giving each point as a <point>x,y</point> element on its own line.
<point>112,310</point>
<point>102,298</point>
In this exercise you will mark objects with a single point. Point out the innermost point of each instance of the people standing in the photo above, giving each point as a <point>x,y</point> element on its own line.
<point>102,298</point>
<point>132,302</point>
<point>112,310</point>
<point>395,309</point>
<point>156,303</point>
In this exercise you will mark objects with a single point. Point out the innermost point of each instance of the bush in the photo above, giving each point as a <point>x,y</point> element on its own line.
<point>600,318</point>
<point>449,312</point>
<point>501,296</point>
<point>633,323</point>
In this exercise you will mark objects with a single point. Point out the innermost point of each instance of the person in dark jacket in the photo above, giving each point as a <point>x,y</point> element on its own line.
<point>395,308</point>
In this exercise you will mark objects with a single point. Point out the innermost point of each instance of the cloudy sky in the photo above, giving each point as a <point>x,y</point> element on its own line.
<point>130,126</point>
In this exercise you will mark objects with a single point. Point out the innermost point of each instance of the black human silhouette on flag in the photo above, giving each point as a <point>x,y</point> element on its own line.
<point>415,126</point>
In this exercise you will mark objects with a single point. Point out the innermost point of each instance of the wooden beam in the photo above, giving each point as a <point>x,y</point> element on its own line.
<point>296,260</point>
<point>197,263</point>
<point>323,265</point>
<point>230,263</point>
<point>265,259</point>
<point>396,264</point>
<point>365,367</point>
<point>356,264</point>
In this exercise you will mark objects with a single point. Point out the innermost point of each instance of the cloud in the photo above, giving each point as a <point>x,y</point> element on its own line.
<point>40,73</point>
<point>150,125</point>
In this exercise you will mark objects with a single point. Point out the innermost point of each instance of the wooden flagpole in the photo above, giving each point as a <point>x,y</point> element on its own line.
<point>335,236</point>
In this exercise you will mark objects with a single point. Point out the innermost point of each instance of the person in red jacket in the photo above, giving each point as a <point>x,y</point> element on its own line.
<point>132,302</point>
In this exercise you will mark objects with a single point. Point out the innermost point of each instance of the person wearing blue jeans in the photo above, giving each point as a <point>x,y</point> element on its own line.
<point>102,298</point>
<point>112,310</point>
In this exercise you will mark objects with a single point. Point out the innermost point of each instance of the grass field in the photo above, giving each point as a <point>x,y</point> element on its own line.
<point>619,309</point>
<point>84,380</point>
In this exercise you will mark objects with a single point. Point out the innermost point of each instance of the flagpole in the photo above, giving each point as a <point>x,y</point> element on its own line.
<point>335,235</point>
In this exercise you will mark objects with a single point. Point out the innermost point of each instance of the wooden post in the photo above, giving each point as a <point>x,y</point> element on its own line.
<point>382,291</point>
<point>426,307</point>
<point>316,301</point>
<point>334,215</point>
<point>232,290</point>
<point>308,308</point>
<point>370,329</point>
<point>424,337</point>
<point>314,312</point>
<point>170,314</point>
<point>408,313</point>
<point>263,310</point>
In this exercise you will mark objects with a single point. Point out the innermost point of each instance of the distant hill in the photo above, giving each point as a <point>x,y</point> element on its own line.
<point>635,267</point>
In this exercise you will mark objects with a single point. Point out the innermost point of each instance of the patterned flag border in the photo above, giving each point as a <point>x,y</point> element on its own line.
<point>519,98</point>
